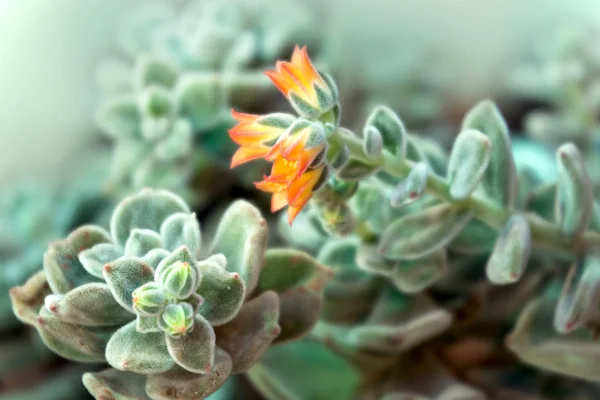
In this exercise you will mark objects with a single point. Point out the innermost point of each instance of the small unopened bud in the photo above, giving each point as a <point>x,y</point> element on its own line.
<point>179,279</point>
<point>149,299</point>
<point>177,319</point>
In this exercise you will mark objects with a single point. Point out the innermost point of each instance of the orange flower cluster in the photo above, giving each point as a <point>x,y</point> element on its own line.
<point>296,153</point>
<point>295,146</point>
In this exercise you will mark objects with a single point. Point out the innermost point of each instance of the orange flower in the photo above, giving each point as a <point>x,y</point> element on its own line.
<point>294,193</point>
<point>310,93</point>
<point>257,134</point>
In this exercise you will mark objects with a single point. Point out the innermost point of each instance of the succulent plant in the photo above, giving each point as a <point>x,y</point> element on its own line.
<point>172,318</point>
<point>430,240</point>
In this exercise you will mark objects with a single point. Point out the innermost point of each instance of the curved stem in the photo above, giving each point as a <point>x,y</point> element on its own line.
<point>545,235</point>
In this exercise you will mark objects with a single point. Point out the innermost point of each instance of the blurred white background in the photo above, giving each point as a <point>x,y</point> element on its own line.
<point>49,50</point>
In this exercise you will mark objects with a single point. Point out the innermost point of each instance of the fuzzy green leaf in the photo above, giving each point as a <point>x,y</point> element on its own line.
<point>146,210</point>
<point>116,385</point>
<point>412,188</point>
<point>199,99</point>
<point>535,343</point>
<point>141,241</point>
<point>242,238</point>
<point>299,280</point>
<point>330,376</point>
<point>223,293</point>
<point>120,118</point>
<point>356,170</point>
<point>476,238</point>
<point>250,333</point>
<point>178,144</point>
<point>61,262</point>
<point>154,257</point>
<point>372,143</point>
<point>511,252</point>
<point>187,385</point>
<point>95,258</point>
<point>149,71</point>
<point>91,304</point>
<point>142,353</point>
<point>194,351</point>
<point>351,294</point>
<point>125,275</point>
<point>181,229</point>
<point>578,301</point>
<point>398,323</point>
<point>390,128</point>
<point>414,276</point>
<point>499,181</point>
<point>468,162</point>
<point>419,234</point>
<point>574,198</point>
<point>74,342</point>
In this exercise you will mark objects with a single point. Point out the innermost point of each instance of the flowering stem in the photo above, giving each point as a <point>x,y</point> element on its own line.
<point>545,235</point>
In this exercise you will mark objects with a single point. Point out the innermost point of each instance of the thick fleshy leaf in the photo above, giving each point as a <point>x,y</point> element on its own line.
<point>199,98</point>
<point>469,160</point>
<point>330,376</point>
<point>371,204</point>
<point>94,259</point>
<point>116,385</point>
<point>299,280</point>
<point>72,341</point>
<point>142,353</point>
<point>181,254</point>
<point>419,234</point>
<point>356,170</point>
<point>511,252</point>
<point>391,129</point>
<point>341,157</point>
<point>242,238</point>
<point>61,262</point>
<point>154,257</point>
<point>349,297</point>
<point>146,324</point>
<point>371,260</point>
<point>500,179</point>
<point>251,332</point>
<point>177,146</point>
<point>120,118</point>
<point>534,341</point>
<point>147,209</point>
<point>125,275</point>
<point>141,241</point>
<point>413,276</point>
<point>91,304</point>
<point>372,142</point>
<point>578,303</point>
<point>223,293</point>
<point>194,351</point>
<point>29,298</point>
<point>149,71</point>
<point>422,377</point>
<point>187,385</point>
<point>412,188</point>
<point>398,323</point>
<point>476,238</point>
<point>181,229</point>
<point>574,198</point>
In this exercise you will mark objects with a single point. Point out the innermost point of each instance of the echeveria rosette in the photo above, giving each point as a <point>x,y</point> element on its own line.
<point>144,298</point>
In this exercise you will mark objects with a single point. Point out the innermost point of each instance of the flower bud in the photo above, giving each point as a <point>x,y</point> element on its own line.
<point>177,319</point>
<point>179,279</point>
<point>149,299</point>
